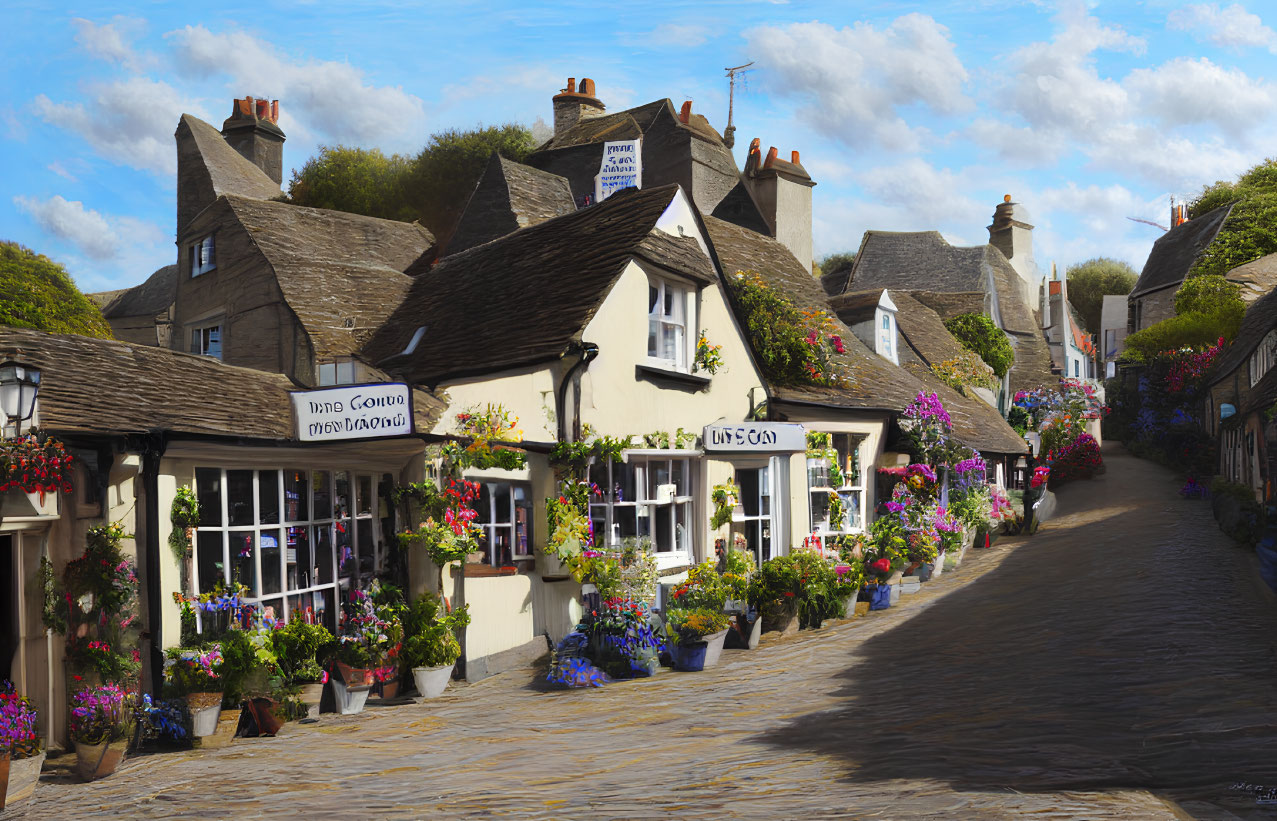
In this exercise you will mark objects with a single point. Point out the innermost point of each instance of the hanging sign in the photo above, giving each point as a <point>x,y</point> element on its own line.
<point>622,167</point>
<point>746,437</point>
<point>353,412</point>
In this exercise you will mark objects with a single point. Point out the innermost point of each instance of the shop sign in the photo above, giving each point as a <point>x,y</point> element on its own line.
<point>622,167</point>
<point>766,437</point>
<point>353,412</point>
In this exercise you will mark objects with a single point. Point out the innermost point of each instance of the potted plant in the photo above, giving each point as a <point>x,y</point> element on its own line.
<point>773,592</point>
<point>195,673</point>
<point>389,606</point>
<point>297,645</point>
<point>352,658</point>
<point>690,632</point>
<point>430,646</point>
<point>101,724</point>
<point>21,747</point>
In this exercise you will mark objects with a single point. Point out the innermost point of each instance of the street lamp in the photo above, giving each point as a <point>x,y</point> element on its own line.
<point>19,385</point>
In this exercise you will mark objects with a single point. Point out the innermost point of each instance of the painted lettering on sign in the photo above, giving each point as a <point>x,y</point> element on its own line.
<point>774,437</point>
<point>741,436</point>
<point>355,412</point>
<point>622,167</point>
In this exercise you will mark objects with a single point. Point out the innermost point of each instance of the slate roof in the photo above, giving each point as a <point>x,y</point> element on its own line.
<point>1176,251</point>
<point>628,124</point>
<point>152,297</point>
<point>228,171</point>
<point>1256,278</point>
<point>739,208</point>
<point>525,298</point>
<point>341,274</point>
<point>856,306</point>
<point>509,196</point>
<point>103,386</point>
<point>874,383</point>
<point>1260,318</point>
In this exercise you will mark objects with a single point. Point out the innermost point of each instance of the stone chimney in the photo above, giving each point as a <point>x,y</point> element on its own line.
<point>575,103</point>
<point>1012,234</point>
<point>253,131</point>
<point>782,191</point>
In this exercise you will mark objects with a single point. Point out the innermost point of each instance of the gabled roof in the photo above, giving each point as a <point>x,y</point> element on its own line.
<point>509,196</point>
<point>628,124</point>
<point>857,306</point>
<point>874,383</point>
<point>1256,278</point>
<point>1260,318</point>
<point>341,274</point>
<point>924,330</point>
<point>739,208</point>
<point>525,298</point>
<point>152,297</point>
<point>102,386</point>
<point>228,171</point>
<point>1176,251</point>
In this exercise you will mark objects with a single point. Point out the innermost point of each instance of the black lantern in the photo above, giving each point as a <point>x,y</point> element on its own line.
<point>19,385</point>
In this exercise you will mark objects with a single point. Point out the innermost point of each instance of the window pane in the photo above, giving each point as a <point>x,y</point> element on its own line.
<point>682,526</point>
<point>623,484</point>
<point>208,489</point>
<point>269,544</point>
<point>365,496</point>
<point>209,557</point>
<point>327,374</point>
<point>653,333</point>
<point>679,477</point>
<point>268,497</point>
<point>323,494</point>
<point>213,345</point>
<point>239,496</point>
<point>324,554</point>
<point>298,557</point>
<point>345,373</point>
<point>243,568</point>
<point>367,569</point>
<point>660,472</point>
<point>522,523</point>
<point>197,345</point>
<point>504,502</point>
<point>296,498</point>
<point>748,481</point>
<point>345,552</point>
<point>653,297</point>
<point>341,483</point>
<point>662,527</point>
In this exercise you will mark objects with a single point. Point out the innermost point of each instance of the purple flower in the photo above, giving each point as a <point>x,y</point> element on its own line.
<point>894,507</point>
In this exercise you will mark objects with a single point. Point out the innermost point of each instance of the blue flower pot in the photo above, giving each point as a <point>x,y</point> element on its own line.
<point>690,658</point>
<point>880,597</point>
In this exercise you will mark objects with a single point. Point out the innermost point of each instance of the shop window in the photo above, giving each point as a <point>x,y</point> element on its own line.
<point>202,256</point>
<point>646,496</point>
<point>847,481</point>
<point>667,323</point>
<point>295,538</point>
<point>756,525</point>
<point>207,341</point>
<point>505,515</point>
<point>336,373</point>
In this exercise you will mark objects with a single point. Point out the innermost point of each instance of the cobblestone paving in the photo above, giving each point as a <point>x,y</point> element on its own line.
<point>1120,664</point>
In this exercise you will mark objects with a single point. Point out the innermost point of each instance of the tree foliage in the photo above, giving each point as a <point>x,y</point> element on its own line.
<point>1209,295</point>
<point>1091,281</point>
<point>432,187</point>
<point>978,334</point>
<point>835,263</point>
<point>36,292</point>
<point>1250,231</point>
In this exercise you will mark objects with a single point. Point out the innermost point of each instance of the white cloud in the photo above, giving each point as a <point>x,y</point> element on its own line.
<point>331,99</point>
<point>857,80</point>
<point>932,196</point>
<point>61,170</point>
<point>112,41</point>
<point>128,121</point>
<point>1231,27</point>
<point>1187,91</point>
<point>70,220</point>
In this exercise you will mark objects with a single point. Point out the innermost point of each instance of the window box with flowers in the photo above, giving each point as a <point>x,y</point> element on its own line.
<point>34,470</point>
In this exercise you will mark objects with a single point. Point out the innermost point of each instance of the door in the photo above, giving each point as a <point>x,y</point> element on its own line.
<point>9,638</point>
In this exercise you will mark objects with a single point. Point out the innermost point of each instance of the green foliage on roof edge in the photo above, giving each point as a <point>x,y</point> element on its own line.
<point>978,334</point>
<point>1208,308</point>
<point>1250,231</point>
<point>37,293</point>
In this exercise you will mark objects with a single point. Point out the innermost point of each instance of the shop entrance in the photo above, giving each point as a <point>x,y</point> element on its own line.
<point>8,606</point>
<point>756,525</point>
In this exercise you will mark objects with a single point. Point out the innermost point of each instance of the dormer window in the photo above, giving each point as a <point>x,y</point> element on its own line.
<point>336,373</point>
<point>885,323</point>
<point>668,309</point>
<point>202,256</point>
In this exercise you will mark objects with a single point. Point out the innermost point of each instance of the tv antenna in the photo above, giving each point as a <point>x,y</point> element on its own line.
<point>729,133</point>
<point>1149,222</point>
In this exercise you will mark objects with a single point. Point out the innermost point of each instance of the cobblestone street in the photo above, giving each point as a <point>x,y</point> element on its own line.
<point>1120,664</point>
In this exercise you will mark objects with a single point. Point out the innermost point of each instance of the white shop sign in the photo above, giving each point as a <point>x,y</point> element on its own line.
<point>622,167</point>
<point>763,437</point>
<point>353,412</point>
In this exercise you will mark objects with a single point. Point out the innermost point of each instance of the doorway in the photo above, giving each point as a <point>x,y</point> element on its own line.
<point>8,606</point>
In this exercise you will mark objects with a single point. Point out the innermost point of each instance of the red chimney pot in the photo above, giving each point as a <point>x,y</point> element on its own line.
<point>685,113</point>
<point>771,157</point>
<point>793,157</point>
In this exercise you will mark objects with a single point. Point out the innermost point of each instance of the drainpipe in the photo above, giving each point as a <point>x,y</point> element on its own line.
<point>153,447</point>
<point>589,351</point>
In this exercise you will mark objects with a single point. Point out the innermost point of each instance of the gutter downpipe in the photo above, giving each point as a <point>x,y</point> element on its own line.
<point>589,351</point>
<point>153,448</point>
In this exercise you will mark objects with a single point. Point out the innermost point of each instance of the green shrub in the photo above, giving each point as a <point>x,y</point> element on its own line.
<point>1236,510</point>
<point>1250,231</point>
<point>1190,330</point>
<point>978,334</point>
<point>37,293</point>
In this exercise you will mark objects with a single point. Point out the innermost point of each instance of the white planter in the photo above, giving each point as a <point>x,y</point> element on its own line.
<point>432,681</point>
<point>755,633</point>
<point>909,584</point>
<point>895,592</point>
<point>17,504</point>
<point>350,700</point>
<point>849,609</point>
<point>24,774</point>
<point>938,566</point>
<point>714,647</point>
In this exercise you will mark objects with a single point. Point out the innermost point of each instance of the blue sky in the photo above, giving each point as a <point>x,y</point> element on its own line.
<point>910,116</point>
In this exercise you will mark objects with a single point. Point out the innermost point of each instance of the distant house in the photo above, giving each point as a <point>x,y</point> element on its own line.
<point>1113,331</point>
<point>143,313</point>
<point>509,196</point>
<point>1072,350</point>
<point>1173,256</point>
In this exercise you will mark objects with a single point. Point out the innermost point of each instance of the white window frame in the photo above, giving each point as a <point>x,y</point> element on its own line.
<point>852,493</point>
<point>203,256</point>
<point>204,345</point>
<point>659,322</point>
<point>773,487</point>
<point>669,549</point>
<point>520,549</point>
<point>887,336</point>
<point>337,372</point>
<point>362,513</point>
<point>1263,357</point>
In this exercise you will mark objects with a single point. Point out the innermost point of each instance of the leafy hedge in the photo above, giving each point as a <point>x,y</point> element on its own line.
<point>37,293</point>
<point>978,334</point>
<point>1250,231</point>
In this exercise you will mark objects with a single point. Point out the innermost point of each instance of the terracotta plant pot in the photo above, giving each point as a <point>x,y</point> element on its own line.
<point>432,681</point>
<point>24,774</point>
<point>94,761</point>
<point>355,677</point>
<point>4,778</point>
<point>205,709</point>
<point>389,689</point>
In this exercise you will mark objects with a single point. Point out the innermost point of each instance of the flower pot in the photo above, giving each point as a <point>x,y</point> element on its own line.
<point>895,592</point>
<point>862,608</point>
<point>689,657</point>
<point>311,694</point>
<point>4,778</point>
<point>354,677</point>
<point>388,689</point>
<point>227,726</point>
<point>744,634</point>
<point>205,710</point>
<point>849,606</point>
<point>879,596</point>
<point>432,681</point>
<point>780,619</point>
<point>925,571</point>
<point>937,567</point>
<point>909,585</point>
<point>714,647</point>
<point>94,761</point>
<point>350,700</point>
<point>24,774</point>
